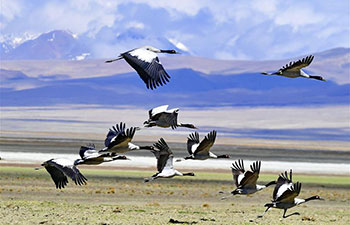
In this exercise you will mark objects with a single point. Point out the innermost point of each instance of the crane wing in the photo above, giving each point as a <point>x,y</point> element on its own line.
<point>86,149</point>
<point>192,142</point>
<point>238,172</point>
<point>250,177</point>
<point>59,169</point>
<point>148,66</point>
<point>290,193</point>
<point>283,183</point>
<point>162,153</point>
<point>70,171</point>
<point>57,176</point>
<point>206,143</point>
<point>296,66</point>
<point>168,118</point>
<point>118,136</point>
<point>157,110</point>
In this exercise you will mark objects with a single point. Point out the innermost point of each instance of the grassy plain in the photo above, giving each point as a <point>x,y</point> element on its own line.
<point>121,197</point>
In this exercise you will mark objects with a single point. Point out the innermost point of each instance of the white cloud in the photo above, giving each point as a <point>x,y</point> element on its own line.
<point>237,55</point>
<point>222,11</point>
<point>135,24</point>
<point>78,16</point>
<point>42,16</point>
<point>325,33</point>
<point>223,29</point>
<point>232,41</point>
<point>179,45</point>
<point>189,7</point>
<point>297,16</point>
<point>268,7</point>
<point>10,9</point>
<point>81,57</point>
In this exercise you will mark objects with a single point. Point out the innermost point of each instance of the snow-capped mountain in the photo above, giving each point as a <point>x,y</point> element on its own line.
<point>56,44</point>
<point>60,44</point>
<point>109,43</point>
<point>5,48</point>
<point>12,40</point>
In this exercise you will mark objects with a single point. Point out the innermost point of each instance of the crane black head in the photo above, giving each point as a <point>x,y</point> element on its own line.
<point>317,78</point>
<point>224,156</point>
<point>170,51</point>
<point>316,197</point>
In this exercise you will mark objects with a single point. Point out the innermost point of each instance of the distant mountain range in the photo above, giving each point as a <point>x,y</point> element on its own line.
<point>60,44</point>
<point>186,88</point>
<point>52,45</point>
<point>333,64</point>
<point>58,68</point>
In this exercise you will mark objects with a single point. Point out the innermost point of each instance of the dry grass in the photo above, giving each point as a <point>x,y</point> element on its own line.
<point>29,197</point>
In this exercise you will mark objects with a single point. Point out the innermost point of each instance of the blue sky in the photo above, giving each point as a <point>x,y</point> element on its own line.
<point>226,29</point>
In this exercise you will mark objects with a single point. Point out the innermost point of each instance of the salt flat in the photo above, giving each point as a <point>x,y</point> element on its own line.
<point>328,123</point>
<point>140,162</point>
<point>62,129</point>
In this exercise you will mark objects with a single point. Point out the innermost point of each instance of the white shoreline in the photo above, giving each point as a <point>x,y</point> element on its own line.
<point>146,162</point>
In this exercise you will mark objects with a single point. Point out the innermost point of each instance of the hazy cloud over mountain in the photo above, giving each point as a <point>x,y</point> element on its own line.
<point>268,29</point>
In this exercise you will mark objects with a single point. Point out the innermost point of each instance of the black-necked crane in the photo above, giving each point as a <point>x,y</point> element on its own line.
<point>118,140</point>
<point>294,69</point>
<point>146,63</point>
<point>201,150</point>
<point>285,193</point>
<point>60,169</point>
<point>165,162</point>
<point>161,116</point>
<point>90,156</point>
<point>245,181</point>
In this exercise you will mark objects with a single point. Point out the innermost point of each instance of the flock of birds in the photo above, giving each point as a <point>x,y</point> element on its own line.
<point>146,63</point>
<point>118,140</point>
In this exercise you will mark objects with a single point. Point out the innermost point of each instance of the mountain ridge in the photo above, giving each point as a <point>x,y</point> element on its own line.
<point>333,64</point>
<point>186,88</point>
<point>62,44</point>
